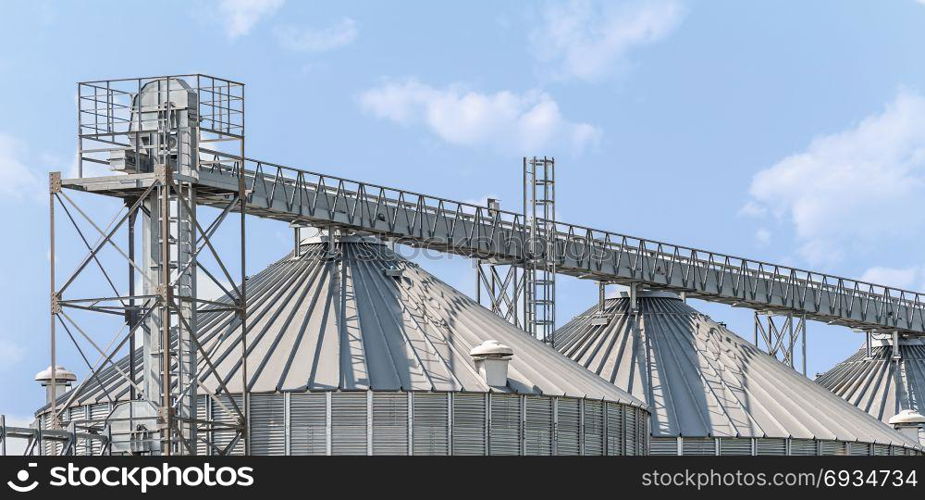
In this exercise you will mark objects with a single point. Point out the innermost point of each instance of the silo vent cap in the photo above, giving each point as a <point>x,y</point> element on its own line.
<point>61,375</point>
<point>491,349</point>
<point>491,360</point>
<point>907,417</point>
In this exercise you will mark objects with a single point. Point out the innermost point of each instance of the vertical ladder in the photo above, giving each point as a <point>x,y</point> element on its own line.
<point>540,269</point>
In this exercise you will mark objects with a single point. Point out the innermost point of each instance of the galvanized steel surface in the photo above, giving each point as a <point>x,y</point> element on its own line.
<point>702,380</point>
<point>337,321</point>
<point>770,447</point>
<point>418,423</point>
<point>878,384</point>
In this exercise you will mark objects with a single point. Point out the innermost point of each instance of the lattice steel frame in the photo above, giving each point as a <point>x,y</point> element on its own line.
<point>780,334</point>
<point>112,120</point>
<point>501,288</point>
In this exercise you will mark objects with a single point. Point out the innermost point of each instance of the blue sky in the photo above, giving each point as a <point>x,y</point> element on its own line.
<point>792,132</point>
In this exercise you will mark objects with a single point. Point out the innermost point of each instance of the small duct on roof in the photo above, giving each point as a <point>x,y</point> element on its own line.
<point>882,384</point>
<point>710,391</point>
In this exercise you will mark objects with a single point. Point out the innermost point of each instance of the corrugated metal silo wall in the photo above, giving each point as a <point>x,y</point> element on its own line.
<point>417,423</point>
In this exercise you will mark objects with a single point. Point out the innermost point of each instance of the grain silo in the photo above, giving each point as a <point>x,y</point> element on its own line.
<point>712,393</point>
<point>885,378</point>
<point>354,350</point>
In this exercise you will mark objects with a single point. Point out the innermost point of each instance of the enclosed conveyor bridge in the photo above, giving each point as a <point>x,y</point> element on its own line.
<point>284,193</point>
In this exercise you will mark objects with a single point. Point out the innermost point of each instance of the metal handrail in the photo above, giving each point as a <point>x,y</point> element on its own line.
<point>699,259</point>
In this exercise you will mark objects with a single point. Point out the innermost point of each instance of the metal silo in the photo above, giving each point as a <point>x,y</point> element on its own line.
<point>354,350</point>
<point>710,391</point>
<point>885,378</point>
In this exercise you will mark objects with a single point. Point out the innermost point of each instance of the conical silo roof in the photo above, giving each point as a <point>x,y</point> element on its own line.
<point>702,380</point>
<point>881,384</point>
<point>364,318</point>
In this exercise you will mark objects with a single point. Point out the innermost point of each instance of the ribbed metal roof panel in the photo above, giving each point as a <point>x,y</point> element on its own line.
<point>702,380</point>
<point>878,384</point>
<point>320,323</point>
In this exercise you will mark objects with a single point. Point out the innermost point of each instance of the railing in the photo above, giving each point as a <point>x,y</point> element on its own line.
<point>579,250</point>
<point>73,440</point>
<point>109,120</point>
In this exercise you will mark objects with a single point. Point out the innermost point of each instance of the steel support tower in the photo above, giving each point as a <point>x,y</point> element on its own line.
<point>500,283</point>
<point>149,136</point>
<point>523,291</point>
<point>782,335</point>
<point>500,287</point>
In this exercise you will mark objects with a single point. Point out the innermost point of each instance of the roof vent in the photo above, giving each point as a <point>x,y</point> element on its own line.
<point>908,422</point>
<point>63,380</point>
<point>393,272</point>
<point>491,360</point>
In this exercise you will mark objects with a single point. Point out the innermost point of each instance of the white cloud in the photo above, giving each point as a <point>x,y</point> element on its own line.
<point>908,278</point>
<point>240,16</point>
<point>762,236</point>
<point>589,40</point>
<point>854,189</point>
<point>317,40</point>
<point>526,123</point>
<point>16,179</point>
